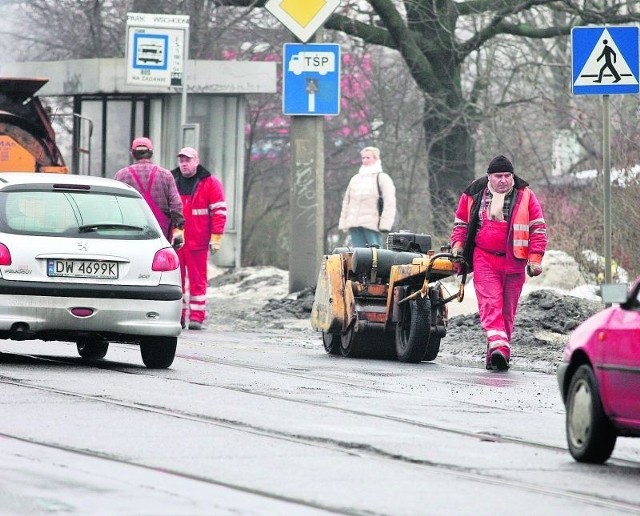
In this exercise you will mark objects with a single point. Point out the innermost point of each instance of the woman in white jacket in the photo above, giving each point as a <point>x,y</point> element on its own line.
<point>360,216</point>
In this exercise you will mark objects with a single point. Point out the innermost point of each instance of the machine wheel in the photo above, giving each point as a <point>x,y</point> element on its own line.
<point>331,343</point>
<point>352,343</point>
<point>412,331</point>
<point>92,348</point>
<point>432,348</point>
<point>590,435</point>
<point>158,352</point>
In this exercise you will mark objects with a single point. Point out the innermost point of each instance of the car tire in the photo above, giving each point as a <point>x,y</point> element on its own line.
<point>91,348</point>
<point>590,435</point>
<point>158,352</point>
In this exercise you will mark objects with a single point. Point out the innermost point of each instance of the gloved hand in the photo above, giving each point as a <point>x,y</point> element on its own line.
<point>456,251</point>
<point>534,269</point>
<point>534,265</point>
<point>177,238</point>
<point>214,243</point>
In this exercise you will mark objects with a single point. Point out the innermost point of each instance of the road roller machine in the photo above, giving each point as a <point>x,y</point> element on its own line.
<point>27,138</point>
<point>386,303</point>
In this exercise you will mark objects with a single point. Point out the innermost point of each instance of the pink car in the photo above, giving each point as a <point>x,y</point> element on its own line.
<point>599,377</point>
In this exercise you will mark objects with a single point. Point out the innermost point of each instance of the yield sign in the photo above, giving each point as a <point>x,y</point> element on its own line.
<point>302,17</point>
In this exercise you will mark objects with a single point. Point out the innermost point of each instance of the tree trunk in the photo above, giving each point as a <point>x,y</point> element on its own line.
<point>451,164</point>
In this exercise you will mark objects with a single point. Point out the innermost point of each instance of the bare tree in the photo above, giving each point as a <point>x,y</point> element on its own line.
<point>437,38</point>
<point>451,83</point>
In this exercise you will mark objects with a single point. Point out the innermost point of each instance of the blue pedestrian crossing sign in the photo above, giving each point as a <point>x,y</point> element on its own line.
<point>604,60</point>
<point>311,79</point>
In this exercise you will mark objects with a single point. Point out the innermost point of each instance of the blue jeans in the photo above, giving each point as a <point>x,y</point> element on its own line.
<point>362,237</point>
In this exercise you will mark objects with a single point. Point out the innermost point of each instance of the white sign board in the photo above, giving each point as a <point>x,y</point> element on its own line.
<point>302,17</point>
<point>156,49</point>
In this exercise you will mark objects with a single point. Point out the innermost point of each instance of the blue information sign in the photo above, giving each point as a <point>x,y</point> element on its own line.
<point>150,51</point>
<point>604,60</point>
<point>311,79</point>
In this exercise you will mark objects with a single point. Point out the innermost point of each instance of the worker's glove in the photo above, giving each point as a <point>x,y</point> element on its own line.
<point>458,259</point>
<point>534,269</point>
<point>177,238</point>
<point>214,243</point>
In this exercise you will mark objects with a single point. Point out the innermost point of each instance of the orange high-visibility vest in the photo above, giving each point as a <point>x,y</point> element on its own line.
<point>521,226</point>
<point>520,223</point>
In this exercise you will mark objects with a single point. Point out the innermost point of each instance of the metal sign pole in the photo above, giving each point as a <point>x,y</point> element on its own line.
<point>605,61</point>
<point>606,171</point>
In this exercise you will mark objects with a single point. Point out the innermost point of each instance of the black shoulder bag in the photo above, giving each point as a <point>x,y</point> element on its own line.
<point>380,198</point>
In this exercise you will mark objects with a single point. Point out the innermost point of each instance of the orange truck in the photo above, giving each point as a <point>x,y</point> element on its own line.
<point>27,139</point>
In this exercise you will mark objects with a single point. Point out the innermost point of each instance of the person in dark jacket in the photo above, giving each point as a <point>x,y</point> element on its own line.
<point>205,212</point>
<point>500,231</point>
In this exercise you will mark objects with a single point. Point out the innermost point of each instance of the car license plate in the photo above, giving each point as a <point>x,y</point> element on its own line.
<point>82,269</point>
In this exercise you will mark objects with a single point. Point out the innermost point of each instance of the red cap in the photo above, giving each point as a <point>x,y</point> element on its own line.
<point>142,142</point>
<point>189,152</point>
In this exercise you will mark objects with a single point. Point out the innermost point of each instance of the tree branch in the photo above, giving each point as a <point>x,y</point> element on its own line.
<point>239,3</point>
<point>475,7</point>
<point>407,43</point>
<point>358,29</point>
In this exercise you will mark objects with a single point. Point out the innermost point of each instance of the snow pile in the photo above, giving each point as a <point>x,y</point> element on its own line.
<point>251,298</point>
<point>543,323</point>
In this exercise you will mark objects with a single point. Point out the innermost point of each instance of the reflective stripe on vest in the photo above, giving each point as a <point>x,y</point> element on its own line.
<point>521,226</point>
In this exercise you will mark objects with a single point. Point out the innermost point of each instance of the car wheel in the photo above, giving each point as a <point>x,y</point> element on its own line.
<point>412,331</point>
<point>590,435</point>
<point>91,348</point>
<point>158,352</point>
<point>331,343</point>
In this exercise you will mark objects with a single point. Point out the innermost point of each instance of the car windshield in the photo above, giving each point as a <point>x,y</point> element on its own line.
<point>68,214</point>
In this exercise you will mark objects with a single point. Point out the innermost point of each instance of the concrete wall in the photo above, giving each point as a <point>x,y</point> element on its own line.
<point>96,76</point>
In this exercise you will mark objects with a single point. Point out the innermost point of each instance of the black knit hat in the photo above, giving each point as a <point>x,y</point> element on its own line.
<point>500,164</point>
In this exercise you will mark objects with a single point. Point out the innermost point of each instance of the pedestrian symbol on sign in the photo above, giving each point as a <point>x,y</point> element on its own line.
<point>609,56</point>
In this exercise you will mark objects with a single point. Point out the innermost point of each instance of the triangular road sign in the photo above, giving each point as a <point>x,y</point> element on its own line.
<point>606,65</point>
<point>605,60</point>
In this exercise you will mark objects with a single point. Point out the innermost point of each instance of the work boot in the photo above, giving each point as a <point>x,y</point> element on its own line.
<point>499,361</point>
<point>497,357</point>
<point>195,325</point>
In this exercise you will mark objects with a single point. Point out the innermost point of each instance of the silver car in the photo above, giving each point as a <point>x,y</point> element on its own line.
<point>82,259</point>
